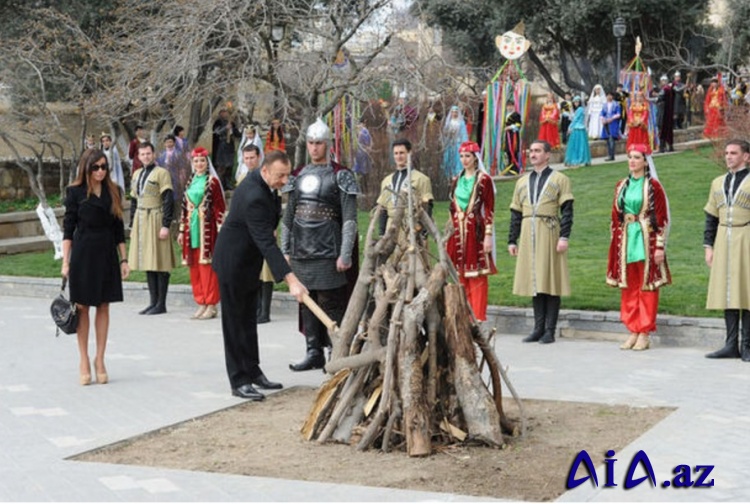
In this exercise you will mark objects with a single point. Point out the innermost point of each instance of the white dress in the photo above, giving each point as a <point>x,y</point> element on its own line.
<point>595,106</point>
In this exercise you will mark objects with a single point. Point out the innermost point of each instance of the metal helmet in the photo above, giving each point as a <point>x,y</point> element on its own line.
<point>318,131</point>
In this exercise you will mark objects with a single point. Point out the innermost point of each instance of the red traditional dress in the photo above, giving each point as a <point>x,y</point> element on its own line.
<point>472,209</point>
<point>638,228</point>
<point>275,141</point>
<point>203,212</point>
<point>638,127</point>
<point>548,119</point>
<point>713,108</point>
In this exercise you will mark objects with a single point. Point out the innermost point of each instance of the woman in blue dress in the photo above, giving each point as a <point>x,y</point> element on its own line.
<point>577,152</point>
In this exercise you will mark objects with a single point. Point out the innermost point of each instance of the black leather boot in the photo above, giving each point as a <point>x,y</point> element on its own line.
<point>745,343</point>
<point>539,318</point>
<point>730,351</point>
<point>550,322</point>
<point>264,302</point>
<point>314,358</point>
<point>153,290</point>
<point>161,301</point>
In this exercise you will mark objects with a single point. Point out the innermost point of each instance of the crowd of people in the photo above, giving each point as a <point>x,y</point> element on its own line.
<point>235,255</point>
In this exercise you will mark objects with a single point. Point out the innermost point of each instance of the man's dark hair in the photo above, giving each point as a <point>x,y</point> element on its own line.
<point>744,145</point>
<point>251,147</point>
<point>274,156</point>
<point>544,143</point>
<point>139,126</point>
<point>402,141</point>
<point>177,130</point>
<point>170,137</point>
<point>146,145</point>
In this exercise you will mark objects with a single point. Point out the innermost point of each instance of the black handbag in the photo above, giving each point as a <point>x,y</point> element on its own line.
<point>64,313</point>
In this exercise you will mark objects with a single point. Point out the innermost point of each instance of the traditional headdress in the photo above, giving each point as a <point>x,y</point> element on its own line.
<point>105,134</point>
<point>202,152</point>
<point>664,78</point>
<point>469,147</point>
<point>318,131</point>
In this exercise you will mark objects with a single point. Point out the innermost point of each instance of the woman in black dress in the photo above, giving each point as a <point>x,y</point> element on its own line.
<point>93,235</point>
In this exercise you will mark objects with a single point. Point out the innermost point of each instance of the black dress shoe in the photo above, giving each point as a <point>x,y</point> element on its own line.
<point>247,391</point>
<point>265,383</point>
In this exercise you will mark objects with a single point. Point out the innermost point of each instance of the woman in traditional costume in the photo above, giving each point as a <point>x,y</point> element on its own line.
<point>471,244</point>
<point>548,119</point>
<point>577,151</point>
<point>713,108</point>
<point>203,209</point>
<point>637,262</point>
<point>594,112</point>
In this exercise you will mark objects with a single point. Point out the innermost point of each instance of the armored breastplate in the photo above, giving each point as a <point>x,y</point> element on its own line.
<point>317,190</point>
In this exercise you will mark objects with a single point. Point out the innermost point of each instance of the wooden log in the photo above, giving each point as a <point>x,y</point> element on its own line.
<point>388,377</point>
<point>351,389</point>
<point>477,406</point>
<point>495,370</point>
<point>323,403</point>
<point>433,321</point>
<point>358,299</point>
<point>356,361</point>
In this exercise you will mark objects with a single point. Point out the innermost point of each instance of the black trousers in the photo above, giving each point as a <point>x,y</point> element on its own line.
<point>333,302</point>
<point>239,323</point>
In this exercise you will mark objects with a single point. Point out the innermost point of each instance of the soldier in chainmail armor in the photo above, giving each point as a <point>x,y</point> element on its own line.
<point>318,235</point>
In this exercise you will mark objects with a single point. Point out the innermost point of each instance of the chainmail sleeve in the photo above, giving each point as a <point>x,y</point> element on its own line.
<point>348,190</point>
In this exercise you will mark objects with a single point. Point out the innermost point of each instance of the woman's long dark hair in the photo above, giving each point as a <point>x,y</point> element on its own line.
<point>84,177</point>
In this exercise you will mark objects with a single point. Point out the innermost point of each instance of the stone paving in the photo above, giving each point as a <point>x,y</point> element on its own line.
<point>167,369</point>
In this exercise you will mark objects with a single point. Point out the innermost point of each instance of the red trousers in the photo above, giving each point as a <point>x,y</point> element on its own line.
<point>204,281</point>
<point>638,307</point>
<point>476,293</point>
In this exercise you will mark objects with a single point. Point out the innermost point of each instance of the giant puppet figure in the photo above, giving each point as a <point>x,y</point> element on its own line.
<point>507,101</point>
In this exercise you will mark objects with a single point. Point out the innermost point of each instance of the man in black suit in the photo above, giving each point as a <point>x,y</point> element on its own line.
<point>245,240</point>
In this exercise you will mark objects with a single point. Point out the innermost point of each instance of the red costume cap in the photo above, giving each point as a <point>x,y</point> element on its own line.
<point>642,148</point>
<point>469,147</point>
<point>199,152</point>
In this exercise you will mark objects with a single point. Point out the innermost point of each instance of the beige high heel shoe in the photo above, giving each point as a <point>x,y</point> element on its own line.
<point>209,313</point>
<point>85,378</point>
<point>103,377</point>
<point>201,309</point>
<point>630,342</point>
<point>643,342</point>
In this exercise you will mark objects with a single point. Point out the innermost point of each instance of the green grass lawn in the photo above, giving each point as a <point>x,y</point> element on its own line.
<point>685,176</point>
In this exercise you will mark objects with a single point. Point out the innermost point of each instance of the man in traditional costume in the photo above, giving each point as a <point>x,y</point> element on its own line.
<point>512,144</point>
<point>222,147</point>
<point>390,187</point>
<point>541,215</point>
<point>318,236</point>
<point>726,240</point>
<point>151,248</point>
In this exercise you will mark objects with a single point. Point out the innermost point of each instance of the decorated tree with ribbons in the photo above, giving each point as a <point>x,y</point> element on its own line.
<point>636,78</point>
<point>343,120</point>
<point>507,101</point>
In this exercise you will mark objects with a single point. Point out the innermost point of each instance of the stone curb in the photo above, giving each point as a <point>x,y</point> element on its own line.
<point>672,331</point>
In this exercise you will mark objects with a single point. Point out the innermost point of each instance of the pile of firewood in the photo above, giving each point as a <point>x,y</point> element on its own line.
<point>405,363</point>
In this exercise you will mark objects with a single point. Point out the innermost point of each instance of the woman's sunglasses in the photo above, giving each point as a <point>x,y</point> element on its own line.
<point>98,166</point>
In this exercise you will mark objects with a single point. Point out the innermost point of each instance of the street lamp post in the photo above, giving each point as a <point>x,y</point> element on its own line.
<point>277,35</point>
<point>619,28</point>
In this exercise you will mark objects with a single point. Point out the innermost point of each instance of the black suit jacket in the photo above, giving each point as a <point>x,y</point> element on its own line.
<point>246,237</point>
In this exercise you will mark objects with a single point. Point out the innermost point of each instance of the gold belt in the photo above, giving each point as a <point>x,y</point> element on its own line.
<point>630,218</point>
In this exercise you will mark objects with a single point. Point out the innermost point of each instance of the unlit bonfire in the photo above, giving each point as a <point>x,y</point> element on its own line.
<point>406,368</point>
